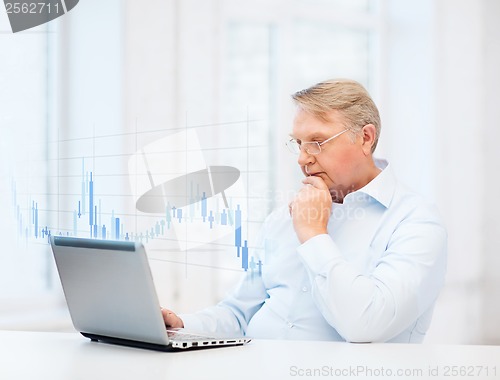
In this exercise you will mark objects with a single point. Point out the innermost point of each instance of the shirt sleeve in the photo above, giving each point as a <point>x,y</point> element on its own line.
<point>232,315</point>
<point>402,285</point>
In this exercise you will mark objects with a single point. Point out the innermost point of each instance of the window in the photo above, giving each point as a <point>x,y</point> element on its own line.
<point>226,70</point>
<point>274,48</point>
<point>26,95</point>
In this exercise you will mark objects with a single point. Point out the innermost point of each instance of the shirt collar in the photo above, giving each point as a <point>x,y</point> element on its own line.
<point>381,188</point>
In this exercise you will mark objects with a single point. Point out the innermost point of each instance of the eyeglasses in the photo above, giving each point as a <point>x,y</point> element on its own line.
<point>311,147</point>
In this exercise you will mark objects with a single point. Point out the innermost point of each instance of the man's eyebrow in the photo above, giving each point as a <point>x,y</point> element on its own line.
<point>320,136</point>
<point>293,137</point>
<point>312,137</point>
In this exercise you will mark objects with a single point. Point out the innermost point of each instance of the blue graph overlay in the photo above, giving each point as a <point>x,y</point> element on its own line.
<point>89,219</point>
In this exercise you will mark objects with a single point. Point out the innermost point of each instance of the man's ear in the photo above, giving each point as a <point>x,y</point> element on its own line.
<point>369,133</point>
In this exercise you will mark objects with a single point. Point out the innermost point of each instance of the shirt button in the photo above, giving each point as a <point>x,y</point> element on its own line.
<point>290,324</point>
<point>304,289</point>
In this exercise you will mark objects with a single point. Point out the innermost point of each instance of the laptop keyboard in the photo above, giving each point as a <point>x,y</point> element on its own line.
<point>182,339</point>
<point>185,336</point>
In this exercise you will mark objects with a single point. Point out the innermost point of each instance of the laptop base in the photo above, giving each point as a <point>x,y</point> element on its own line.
<point>128,342</point>
<point>146,345</point>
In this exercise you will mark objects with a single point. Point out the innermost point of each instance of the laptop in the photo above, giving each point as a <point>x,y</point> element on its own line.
<point>111,296</point>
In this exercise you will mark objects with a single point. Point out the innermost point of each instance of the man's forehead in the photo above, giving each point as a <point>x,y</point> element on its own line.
<point>309,125</point>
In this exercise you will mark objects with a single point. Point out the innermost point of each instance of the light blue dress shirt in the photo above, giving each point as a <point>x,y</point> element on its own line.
<point>373,278</point>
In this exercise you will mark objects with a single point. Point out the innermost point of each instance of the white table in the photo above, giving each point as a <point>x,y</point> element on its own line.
<point>68,356</point>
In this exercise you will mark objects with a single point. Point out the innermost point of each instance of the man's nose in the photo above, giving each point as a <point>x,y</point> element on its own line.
<point>304,157</point>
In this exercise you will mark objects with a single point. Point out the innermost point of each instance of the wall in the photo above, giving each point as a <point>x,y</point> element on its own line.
<point>439,118</point>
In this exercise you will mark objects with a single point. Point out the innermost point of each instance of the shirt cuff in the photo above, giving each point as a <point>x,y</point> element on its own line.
<point>192,322</point>
<point>319,253</point>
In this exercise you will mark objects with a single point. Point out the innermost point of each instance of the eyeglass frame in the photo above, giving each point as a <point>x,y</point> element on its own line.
<point>318,144</point>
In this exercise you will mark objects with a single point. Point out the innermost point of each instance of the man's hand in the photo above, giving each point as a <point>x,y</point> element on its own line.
<point>171,319</point>
<point>311,208</point>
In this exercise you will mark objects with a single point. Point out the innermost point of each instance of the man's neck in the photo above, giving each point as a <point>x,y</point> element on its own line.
<point>366,176</point>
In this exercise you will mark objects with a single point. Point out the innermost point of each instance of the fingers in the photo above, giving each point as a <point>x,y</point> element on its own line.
<point>314,189</point>
<point>310,210</point>
<point>171,319</point>
<point>317,182</point>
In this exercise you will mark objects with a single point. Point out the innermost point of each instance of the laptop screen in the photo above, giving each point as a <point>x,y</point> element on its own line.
<point>109,288</point>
